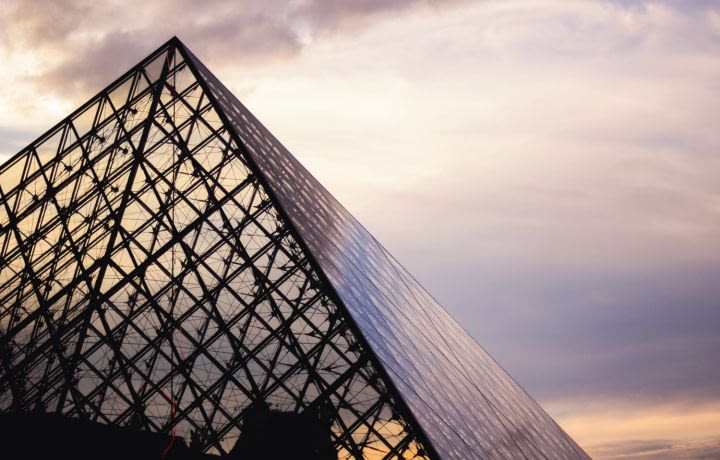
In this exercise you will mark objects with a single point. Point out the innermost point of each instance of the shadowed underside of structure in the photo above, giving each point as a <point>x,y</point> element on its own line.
<point>168,267</point>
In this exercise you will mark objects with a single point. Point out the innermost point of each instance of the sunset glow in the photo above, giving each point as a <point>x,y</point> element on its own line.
<point>548,170</point>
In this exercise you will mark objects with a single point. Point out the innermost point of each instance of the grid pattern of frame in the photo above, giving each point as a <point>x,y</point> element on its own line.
<point>149,279</point>
<point>464,401</point>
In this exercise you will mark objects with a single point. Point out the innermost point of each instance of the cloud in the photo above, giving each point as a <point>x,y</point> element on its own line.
<point>83,44</point>
<point>333,15</point>
<point>42,22</point>
<point>99,62</point>
<point>657,450</point>
<point>611,429</point>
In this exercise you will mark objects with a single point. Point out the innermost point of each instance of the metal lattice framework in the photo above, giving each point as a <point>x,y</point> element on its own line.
<point>147,279</point>
<point>167,265</point>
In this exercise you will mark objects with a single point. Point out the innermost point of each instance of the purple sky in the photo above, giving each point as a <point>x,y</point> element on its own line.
<point>549,170</point>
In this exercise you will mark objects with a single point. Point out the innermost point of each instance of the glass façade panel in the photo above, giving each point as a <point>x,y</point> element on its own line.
<point>466,403</point>
<point>159,287</point>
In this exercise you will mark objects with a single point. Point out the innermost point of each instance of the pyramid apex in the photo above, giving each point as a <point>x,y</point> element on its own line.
<point>175,41</point>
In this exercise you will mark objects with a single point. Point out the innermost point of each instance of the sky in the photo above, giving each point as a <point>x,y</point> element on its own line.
<point>549,170</point>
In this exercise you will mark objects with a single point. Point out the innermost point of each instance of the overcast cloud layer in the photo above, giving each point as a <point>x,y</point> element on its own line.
<point>548,169</point>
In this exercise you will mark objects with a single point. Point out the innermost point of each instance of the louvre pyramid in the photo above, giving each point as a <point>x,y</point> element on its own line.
<point>166,264</point>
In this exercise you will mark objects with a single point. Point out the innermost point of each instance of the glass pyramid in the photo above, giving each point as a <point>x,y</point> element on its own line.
<point>168,266</point>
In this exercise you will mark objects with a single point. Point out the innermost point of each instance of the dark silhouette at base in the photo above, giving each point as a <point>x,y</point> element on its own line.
<point>49,436</point>
<point>266,435</point>
<point>275,435</point>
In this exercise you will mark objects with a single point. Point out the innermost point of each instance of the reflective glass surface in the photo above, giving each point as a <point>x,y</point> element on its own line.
<point>149,281</point>
<point>467,405</point>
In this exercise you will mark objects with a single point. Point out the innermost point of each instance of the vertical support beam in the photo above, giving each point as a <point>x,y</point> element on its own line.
<point>42,307</point>
<point>95,304</point>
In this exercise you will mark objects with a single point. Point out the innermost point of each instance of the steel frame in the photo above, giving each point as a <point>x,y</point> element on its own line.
<point>149,278</point>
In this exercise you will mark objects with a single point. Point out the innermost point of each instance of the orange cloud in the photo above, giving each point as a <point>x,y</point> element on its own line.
<point>620,430</point>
